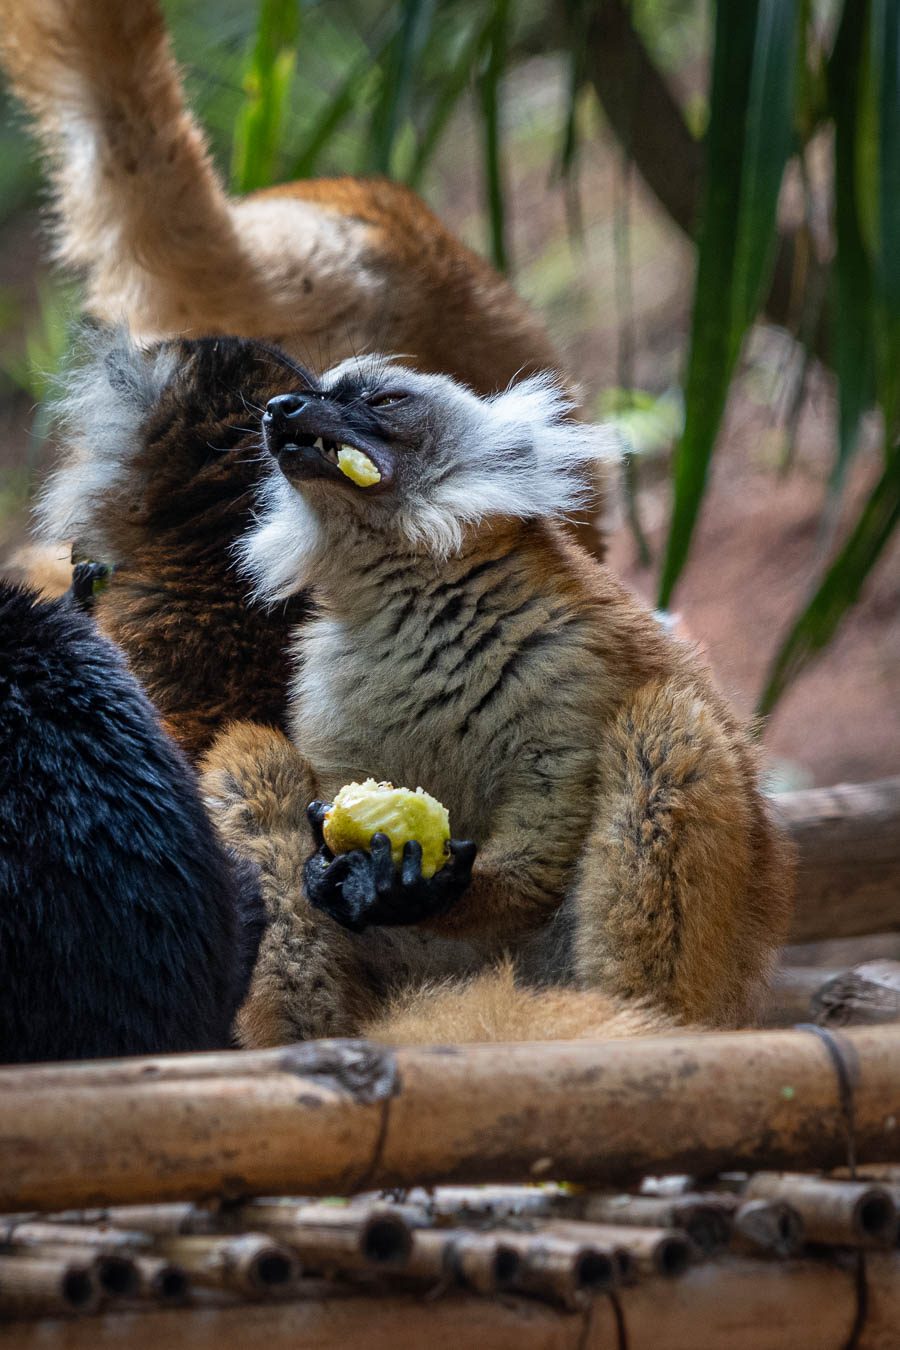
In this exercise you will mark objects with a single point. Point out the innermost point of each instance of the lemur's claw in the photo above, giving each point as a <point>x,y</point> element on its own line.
<point>360,889</point>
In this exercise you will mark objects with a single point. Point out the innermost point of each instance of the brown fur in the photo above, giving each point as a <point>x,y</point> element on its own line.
<point>326,268</point>
<point>622,840</point>
<point>168,517</point>
<point>491,1006</point>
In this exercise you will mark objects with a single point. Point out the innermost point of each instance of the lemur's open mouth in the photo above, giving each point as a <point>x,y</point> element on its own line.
<point>302,432</point>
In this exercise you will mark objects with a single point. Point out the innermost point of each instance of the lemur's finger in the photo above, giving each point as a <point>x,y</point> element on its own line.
<point>462,857</point>
<point>411,863</point>
<point>315,814</point>
<point>382,862</point>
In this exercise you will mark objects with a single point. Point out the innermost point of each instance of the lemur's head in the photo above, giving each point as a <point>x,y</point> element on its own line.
<point>376,447</point>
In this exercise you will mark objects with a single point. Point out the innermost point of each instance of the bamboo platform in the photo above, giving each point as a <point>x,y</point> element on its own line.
<point>656,1193</point>
<point>727,1191</point>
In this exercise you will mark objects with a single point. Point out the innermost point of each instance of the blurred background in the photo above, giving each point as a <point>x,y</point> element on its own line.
<point>703,203</point>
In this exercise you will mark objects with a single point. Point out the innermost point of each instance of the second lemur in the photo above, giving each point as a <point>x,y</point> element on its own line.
<point>463,643</point>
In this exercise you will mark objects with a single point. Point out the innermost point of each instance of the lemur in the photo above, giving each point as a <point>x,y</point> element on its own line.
<point>158,482</point>
<point>125,926</point>
<point>324,268</point>
<point>462,642</point>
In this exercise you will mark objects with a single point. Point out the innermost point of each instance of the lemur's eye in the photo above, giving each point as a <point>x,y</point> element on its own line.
<point>384,400</point>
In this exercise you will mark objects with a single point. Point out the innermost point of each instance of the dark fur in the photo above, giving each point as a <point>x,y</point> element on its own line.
<point>124,926</point>
<point>175,602</point>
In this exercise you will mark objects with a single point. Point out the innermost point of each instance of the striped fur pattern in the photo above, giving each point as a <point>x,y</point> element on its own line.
<point>623,844</point>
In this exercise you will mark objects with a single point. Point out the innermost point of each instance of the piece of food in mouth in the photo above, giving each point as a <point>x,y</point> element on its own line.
<point>357,467</point>
<point>362,809</point>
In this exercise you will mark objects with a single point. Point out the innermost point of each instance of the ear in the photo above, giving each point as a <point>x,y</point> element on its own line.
<point>106,393</point>
<point>531,459</point>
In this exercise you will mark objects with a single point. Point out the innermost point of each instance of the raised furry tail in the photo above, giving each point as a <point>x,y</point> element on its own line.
<point>140,208</point>
<point>490,1006</point>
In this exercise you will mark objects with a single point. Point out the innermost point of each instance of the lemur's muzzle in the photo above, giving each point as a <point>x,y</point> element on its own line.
<point>308,434</point>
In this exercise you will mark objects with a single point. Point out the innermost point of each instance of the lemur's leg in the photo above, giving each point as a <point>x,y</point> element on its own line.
<point>681,895</point>
<point>307,981</point>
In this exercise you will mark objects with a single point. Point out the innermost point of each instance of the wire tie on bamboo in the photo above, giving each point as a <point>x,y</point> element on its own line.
<point>848,1104</point>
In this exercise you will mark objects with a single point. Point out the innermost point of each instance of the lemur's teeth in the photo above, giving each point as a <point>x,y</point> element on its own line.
<point>317,444</point>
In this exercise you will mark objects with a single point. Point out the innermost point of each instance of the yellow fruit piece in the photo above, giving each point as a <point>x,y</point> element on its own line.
<point>357,467</point>
<point>362,809</point>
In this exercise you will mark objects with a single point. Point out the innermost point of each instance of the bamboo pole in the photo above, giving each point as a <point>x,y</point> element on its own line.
<point>866,995</point>
<point>767,1226</point>
<point>115,1272</point>
<point>592,1112</point>
<point>848,858</point>
<point>165,1220</point>
<point>73,1234</point>
<point>842,1213</point>
<point>162,1281</point>
<point>330,1236</point>
<point>654,1251</point>
<point>345,1321</point>
<point>250,1264</point>
<point>46,1288</point>
<point>727,1304</point>
<point>706,1219</point>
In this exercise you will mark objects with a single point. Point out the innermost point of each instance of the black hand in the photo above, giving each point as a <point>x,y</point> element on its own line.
<point>359,889</point>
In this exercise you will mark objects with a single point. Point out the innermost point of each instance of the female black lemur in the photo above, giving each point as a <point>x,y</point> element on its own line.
<point>125,926</point>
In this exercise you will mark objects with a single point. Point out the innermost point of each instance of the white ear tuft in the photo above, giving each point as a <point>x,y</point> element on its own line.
<point>107,396</point>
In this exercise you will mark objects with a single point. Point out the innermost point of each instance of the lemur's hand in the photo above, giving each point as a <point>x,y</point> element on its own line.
<point>360,889</point>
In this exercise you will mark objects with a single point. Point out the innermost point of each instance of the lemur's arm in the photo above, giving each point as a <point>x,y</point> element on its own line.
<point>307,981</point>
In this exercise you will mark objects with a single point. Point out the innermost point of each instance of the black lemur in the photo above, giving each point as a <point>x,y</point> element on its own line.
<point>125,927</point>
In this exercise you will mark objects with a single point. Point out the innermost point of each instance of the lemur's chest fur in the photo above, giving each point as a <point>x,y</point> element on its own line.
<point>446,682</point>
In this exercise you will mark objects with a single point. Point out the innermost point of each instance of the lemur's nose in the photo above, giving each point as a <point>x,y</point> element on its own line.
<point>283,407</point>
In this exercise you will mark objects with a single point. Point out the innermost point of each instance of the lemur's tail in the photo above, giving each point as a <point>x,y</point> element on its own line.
<point>140,209</point>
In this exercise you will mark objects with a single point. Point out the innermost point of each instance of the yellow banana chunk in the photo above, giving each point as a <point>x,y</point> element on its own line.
<point>362,809</point>
<point>357,467</point>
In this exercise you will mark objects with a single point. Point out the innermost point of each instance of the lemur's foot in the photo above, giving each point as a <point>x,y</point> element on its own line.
<point>359,889</point>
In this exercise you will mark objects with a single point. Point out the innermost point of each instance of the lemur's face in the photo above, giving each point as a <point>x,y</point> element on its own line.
<point>415,456</point>
<point>368,429</point>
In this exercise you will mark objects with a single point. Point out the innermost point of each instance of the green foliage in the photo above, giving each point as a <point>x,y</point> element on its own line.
<point>748,141</point>
<point>258,131</point>
<point>382,81</point>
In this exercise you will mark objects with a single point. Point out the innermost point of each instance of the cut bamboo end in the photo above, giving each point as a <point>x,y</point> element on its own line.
<point>706,1219</point>
<point>114,1271</point>
<point>768,1225</point>
<point>341,1236</point>
<point>251,1264</point>
<point>564,1268</point>
<point>659,1251</point>
<point>483,1262</point>
<point>162,1281</point>
<point>844,1213</point>
<point>47,1287</point>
